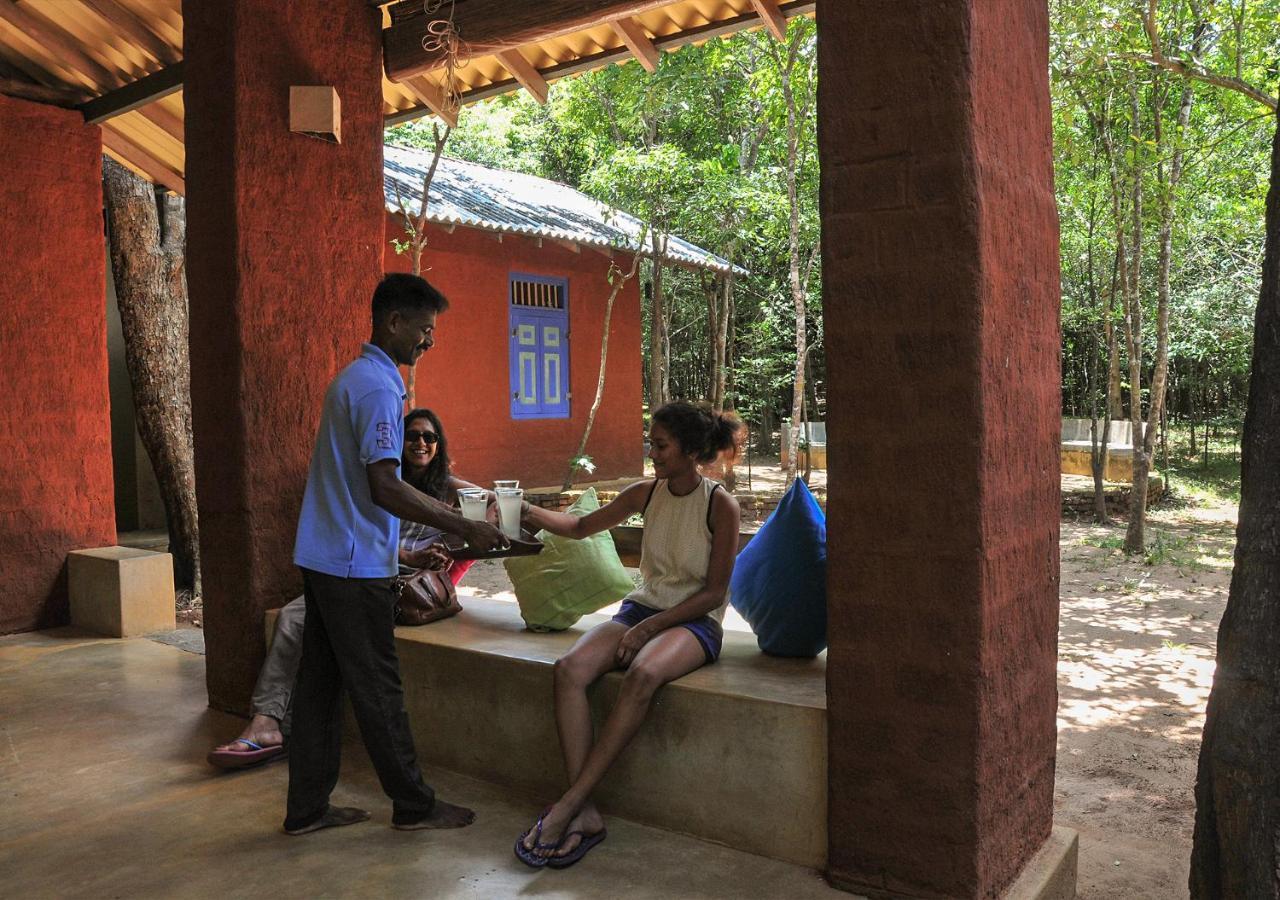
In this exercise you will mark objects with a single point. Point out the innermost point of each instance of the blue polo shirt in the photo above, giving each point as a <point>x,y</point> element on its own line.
<point>341,530</point>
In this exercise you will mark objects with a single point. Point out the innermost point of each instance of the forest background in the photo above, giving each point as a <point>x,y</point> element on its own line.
<point>1161,182</point>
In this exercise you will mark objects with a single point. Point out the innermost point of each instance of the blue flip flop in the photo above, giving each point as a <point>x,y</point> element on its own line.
<point>526,855</point>
<point>256,755</point>
<point>584,846</point>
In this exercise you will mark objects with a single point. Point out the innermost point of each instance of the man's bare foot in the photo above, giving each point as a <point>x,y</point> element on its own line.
<point>334,817</point>
<point>585,824</point>
<point>262,730</point>
<point>442,815</point>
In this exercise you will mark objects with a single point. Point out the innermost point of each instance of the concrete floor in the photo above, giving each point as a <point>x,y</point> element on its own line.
<point>104,792</point>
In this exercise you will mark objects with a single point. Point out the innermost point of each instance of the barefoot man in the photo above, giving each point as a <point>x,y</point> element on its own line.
<point>346,548</point>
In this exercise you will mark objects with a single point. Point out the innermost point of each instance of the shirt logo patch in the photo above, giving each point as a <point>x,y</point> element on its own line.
<point>384,436</point>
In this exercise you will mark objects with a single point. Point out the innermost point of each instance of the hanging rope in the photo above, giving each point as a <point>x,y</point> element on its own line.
<point>442,38</point>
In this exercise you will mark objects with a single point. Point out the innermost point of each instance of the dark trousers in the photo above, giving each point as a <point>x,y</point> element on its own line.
<point>348,642</point>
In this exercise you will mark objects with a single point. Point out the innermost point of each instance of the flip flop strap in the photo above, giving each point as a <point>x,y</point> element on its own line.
<point>249,744</point>
<point>537,835</point>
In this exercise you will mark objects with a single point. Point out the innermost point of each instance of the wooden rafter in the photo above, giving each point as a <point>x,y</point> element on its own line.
<point>33,70</point>
<point>38,93</point>
<point>59,44</point>
<point>429,93</point>
<point>773,18</point>
<point>490,27</point>
<point>135,29</point>
<point>164,120</point>
<point>632,34</point>
<point>129,152</point>
<point>568,245</point>
<point>664,43</point>
<point>524,72</point>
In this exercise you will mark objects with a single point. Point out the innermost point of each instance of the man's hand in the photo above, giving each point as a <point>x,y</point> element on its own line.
<point>484,536</point>
<point>635,638</point>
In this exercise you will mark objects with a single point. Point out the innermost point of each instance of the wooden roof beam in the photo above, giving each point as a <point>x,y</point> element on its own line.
<point>133,95</point>
<point>773,18</point>
<point>491,27</point>
<point>38,93</point>
<point>524,72</point>
<point>568,245</point>
<point>632,34</point>
<point>131,153</point>
<point>61,45</point>
<point>135,29</point>
<point>429,93</point>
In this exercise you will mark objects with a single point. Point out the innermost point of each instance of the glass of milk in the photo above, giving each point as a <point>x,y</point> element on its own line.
<point>509,502</point>
<point>474,503</point>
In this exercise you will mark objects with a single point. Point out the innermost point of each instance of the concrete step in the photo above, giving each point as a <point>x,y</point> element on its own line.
<point>735,752</point>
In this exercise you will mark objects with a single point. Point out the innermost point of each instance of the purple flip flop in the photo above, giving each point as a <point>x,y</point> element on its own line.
<point>256,755</point>
<point>584,847</point>
<point>527,856</point>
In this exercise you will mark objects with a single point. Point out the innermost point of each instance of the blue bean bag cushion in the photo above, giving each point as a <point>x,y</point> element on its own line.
<point>780,580</point>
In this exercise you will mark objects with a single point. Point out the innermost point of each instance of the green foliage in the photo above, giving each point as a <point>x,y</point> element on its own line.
<point>1218,204</point>
<point>698,148</point>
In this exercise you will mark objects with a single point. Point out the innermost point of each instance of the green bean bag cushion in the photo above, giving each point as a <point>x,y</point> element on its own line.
<point>569,578</point>
<point>779,581</point>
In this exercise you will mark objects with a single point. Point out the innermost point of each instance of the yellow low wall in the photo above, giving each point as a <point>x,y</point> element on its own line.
<point>1079,462</point>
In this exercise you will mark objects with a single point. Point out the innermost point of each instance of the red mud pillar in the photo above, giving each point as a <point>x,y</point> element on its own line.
<point>56,491</point>
<point>284,249</point>
<point>940,268</point>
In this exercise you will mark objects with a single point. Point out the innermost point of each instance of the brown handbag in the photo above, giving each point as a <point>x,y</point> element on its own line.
<point>424,597</point>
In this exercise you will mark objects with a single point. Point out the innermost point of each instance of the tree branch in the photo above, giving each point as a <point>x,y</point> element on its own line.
<point>1191,68</point>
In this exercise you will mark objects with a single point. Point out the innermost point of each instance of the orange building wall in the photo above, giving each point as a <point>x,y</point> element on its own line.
<point>55,469</point>
<point>465,377</point>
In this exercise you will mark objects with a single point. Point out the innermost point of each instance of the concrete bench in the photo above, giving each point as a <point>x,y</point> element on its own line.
<point>815,433</point>
<point>1077,449</point>
<point>734,753</point>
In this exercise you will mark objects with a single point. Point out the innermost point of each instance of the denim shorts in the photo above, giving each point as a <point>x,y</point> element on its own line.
<point>707,630</point>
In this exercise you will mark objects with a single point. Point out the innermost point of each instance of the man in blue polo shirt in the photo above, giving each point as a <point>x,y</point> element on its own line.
<point>346,548</point>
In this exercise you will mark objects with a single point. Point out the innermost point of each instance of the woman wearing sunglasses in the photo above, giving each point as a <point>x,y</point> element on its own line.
<point>425,465</point>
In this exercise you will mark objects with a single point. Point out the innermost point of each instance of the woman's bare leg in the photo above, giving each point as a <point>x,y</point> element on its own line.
<point>595,653</point>
<point>672,654</point>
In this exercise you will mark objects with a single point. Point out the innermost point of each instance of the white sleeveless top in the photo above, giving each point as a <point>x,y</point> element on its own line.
<point>675,551</point>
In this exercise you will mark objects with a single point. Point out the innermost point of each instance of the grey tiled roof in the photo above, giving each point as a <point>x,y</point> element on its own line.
<point>477,196</point>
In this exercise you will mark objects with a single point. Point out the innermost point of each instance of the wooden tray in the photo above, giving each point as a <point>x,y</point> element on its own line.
<point>526,545</point>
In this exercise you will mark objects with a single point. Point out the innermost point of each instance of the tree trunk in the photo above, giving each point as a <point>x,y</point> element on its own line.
<point>618,280</point>
<point>1134,536</point>
<point>799,289</point>
<point>659,346</point>
<point>148,258</point>
<point>1115,402</point>
<point>1236,850</point>
<point>415,229</point>
<point>724,298</point>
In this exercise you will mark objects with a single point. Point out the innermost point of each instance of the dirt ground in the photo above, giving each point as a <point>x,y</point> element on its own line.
<point>1136,646</point>
<point>1135,664</point>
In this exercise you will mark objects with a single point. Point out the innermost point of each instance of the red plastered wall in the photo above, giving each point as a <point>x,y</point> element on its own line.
<point>465,379</point>
<point>940,262</point>
<point>285,248</point>
<point>56,491</point>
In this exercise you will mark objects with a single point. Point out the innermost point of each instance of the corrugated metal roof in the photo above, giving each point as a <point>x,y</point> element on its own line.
<point>464,193</point>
